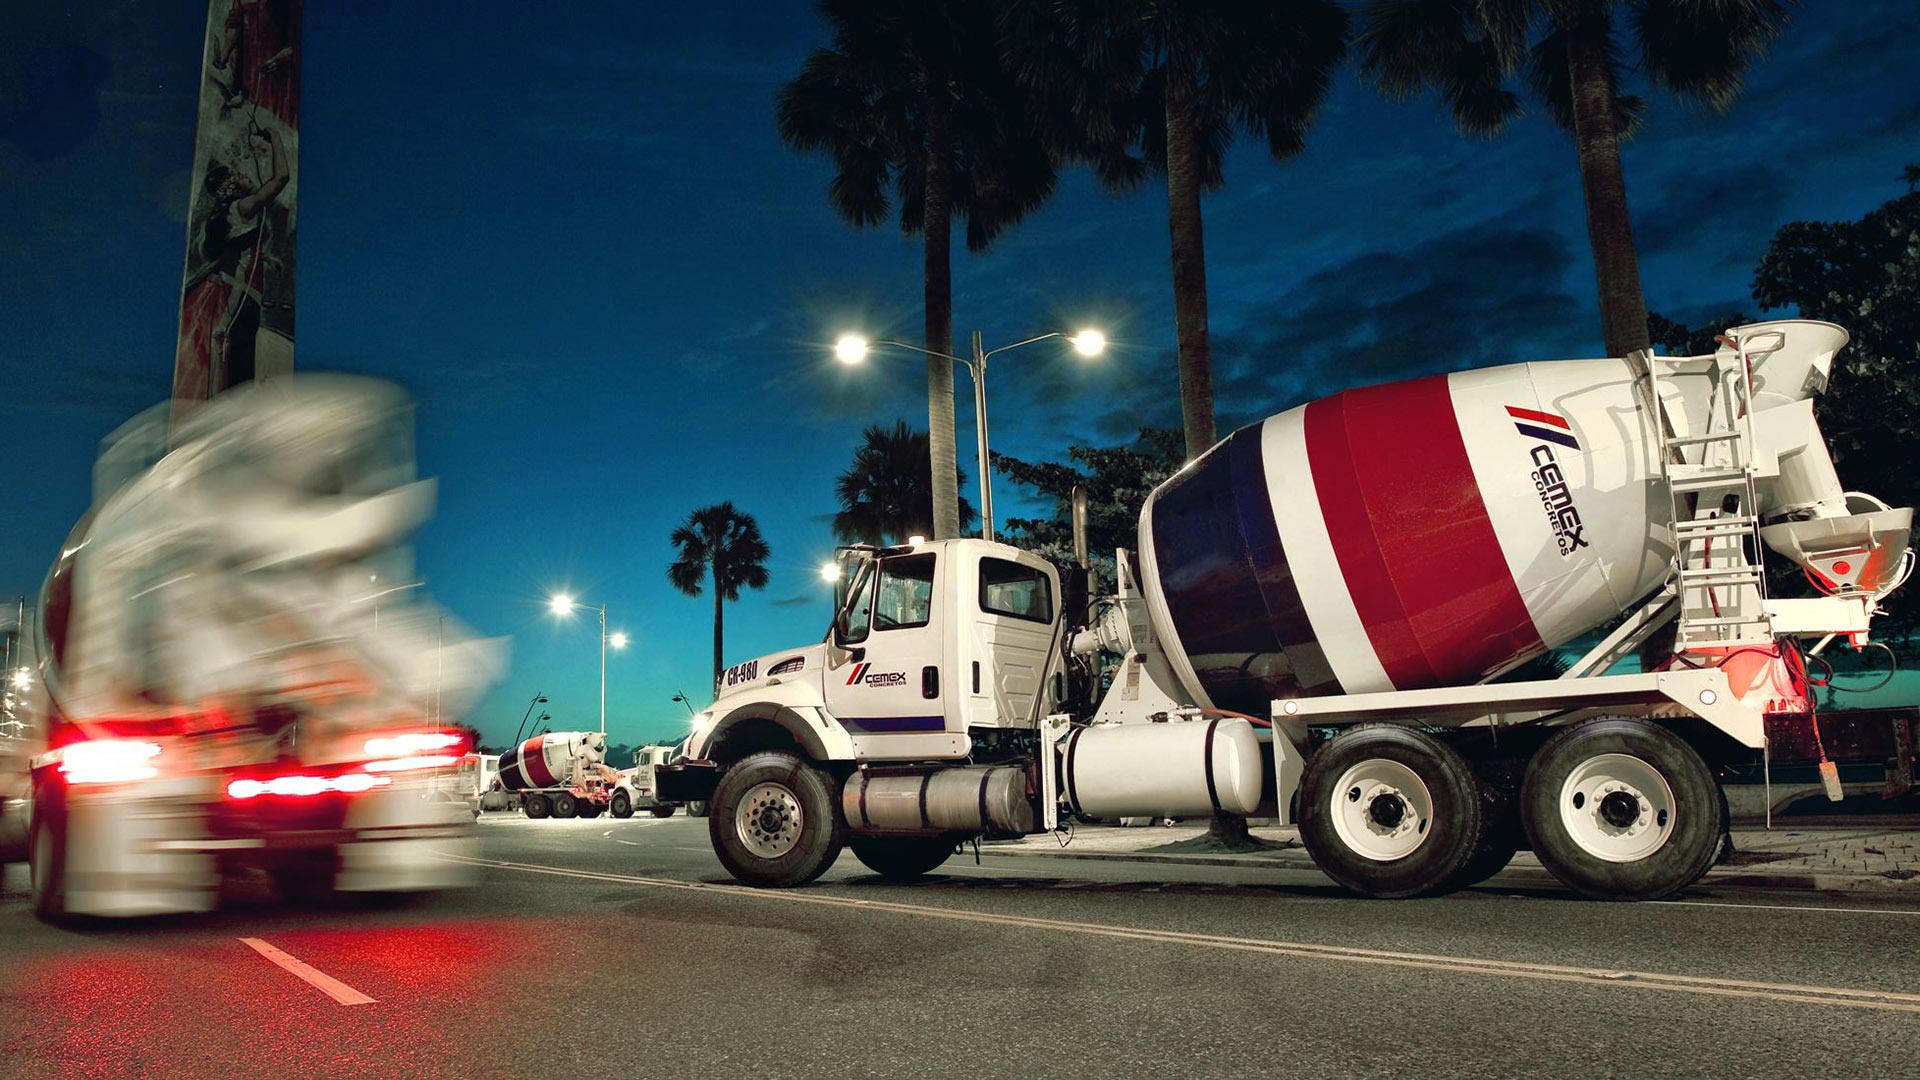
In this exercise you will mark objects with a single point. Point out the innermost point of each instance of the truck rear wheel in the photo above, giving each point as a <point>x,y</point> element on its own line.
<point>902,858</point>
<point>536,805</point>
<point>588,809</point>
<point>775,820</point>
<point>1622,810</point>
<point>697,808</point>
<point>47,856</point>
<point>661,810</point>
<point>565,805</point>
<point>621,806</point>
<point>1390,812</point>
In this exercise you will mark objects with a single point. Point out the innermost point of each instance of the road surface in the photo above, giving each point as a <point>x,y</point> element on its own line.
<point>619,948</point>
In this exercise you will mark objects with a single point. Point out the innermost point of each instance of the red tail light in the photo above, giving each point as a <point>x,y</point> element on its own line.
<point>409,750</point>
<point>304,786</point>
<point>109,761</point>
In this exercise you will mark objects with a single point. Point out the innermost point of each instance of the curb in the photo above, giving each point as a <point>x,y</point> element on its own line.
<point>1735,877</point>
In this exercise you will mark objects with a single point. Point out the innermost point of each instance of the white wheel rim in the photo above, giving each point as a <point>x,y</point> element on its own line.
<point>769,820</point>
<point>1382,810</point>
<point>1617,808</point>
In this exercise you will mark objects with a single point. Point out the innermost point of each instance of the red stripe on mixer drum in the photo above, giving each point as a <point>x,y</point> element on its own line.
<point>533,762</point>
<point>1412,535</point>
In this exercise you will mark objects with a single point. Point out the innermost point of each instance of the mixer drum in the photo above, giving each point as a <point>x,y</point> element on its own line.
<point>1422,533</point>
<point>550,760</point>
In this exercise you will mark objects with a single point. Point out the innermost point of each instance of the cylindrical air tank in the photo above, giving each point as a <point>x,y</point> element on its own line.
<point>1428,532</point>
<point>555,759</point>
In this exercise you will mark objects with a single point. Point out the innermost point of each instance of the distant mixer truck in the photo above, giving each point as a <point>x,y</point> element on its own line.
<point>564,774</point>
<point>1322,622</point>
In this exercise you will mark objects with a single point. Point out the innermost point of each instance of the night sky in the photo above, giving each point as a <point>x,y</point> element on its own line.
<point>578,241</point>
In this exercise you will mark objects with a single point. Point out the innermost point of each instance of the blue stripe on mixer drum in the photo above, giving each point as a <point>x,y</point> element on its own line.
<point>1551,436</point>
<point>892,725</point>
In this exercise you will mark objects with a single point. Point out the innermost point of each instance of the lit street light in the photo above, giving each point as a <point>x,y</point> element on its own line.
<point>830,571</point>
<point>852,349</point>
<point>562,605</point>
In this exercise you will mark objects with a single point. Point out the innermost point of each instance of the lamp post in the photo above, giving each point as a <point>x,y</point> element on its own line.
<point>682,699</point>
<point>852,348</point>
<point>539,698</point>
<point>563,605</point>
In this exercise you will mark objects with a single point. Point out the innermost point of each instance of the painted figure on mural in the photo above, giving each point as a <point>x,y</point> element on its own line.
<point>222,311</point>
<point>237,303</point>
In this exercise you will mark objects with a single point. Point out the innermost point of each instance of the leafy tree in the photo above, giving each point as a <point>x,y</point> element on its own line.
<point>719,550</point>
<point>1865,276</point>
<point>1142,86</point>
<point>1570,52</point>
<point>912,99</point>
<point>1117,480</point>
<point>885,494</point>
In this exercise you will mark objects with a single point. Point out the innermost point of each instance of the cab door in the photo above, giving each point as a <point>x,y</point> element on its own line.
<point>885,683</point>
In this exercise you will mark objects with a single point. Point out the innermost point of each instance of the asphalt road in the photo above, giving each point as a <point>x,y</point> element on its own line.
<point>619,948</point>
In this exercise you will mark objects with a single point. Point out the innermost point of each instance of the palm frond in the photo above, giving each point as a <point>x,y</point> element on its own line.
<point>1701,49</point>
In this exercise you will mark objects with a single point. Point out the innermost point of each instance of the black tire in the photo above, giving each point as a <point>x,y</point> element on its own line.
<point>306,877</point>
<point>1661,840</point>
<point>565,805</point>
<point>661,810</point>
<point>1363,783</point>
<point>795,834</point>
<point>536,806</point>
<point>1501,838</point>
<point>697,808</point>
<point>621,806</point>
<point>587,809</point>
<point>902,858</point>
<point>47,855</point>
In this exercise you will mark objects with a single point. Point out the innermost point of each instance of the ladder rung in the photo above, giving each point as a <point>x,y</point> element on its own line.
<point>1714,575</point>
<point>1707,437</point>
<point>1728,643</point>
<point>1727,620</point>
<point>1700,481</point>
<point>1705,530</point>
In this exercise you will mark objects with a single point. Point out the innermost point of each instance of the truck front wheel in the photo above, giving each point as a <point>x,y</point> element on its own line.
<point>622,805</point>
<point>775,820</point>
<point>1622,810</point>
<point>1390,812</point>
<point>902,858</point>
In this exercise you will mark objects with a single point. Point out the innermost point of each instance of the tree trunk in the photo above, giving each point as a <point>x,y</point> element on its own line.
<point>1189,261</point>
<point>1596,132</point>
<point>719,652</point>
<point>937,229</point>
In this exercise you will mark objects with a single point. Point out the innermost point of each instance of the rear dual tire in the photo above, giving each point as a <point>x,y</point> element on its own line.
<point>1622,810</point>
<point>1391,812</point>
<point>536,806</point>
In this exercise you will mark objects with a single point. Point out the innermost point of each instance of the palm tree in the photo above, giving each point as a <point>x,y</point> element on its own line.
<point>913,104</point>
<point>884,495</point>
<point>1139,86</point>
<point>719,548</point>
<point>1570,51</point>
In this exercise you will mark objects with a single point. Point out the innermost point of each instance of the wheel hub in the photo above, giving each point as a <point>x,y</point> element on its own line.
<point>1382,810</point>
<point>769,821</point>
<point>1617,807</point>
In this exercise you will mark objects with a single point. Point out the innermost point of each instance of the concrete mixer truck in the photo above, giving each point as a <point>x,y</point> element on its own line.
<point>564,774</point>
<point>1322,621</point>
<point>211,683</point>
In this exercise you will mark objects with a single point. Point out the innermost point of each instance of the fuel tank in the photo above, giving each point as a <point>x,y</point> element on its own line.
<point>1439,530</point>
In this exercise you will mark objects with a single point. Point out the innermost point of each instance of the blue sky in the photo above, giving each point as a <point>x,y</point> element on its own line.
<point>578,241</point>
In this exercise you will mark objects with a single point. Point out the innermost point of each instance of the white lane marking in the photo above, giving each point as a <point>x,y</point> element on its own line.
<point>1785,907</point>
<point>630,843</point>
<point>1844,997</point>
<point>325,983</point>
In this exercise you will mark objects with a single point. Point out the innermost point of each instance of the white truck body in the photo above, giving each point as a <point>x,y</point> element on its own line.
<point>1317,624</point>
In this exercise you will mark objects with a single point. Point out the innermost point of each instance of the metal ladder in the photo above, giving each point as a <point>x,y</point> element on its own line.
<point>1717,574</point>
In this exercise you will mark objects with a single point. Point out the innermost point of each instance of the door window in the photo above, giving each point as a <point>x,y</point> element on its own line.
<point>905,596</point>
<point>1008,588</point>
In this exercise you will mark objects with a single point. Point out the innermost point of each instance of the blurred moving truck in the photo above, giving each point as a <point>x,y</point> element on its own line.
<point>220,673</point>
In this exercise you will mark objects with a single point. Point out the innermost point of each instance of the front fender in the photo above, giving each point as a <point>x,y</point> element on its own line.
<point>795,709</point>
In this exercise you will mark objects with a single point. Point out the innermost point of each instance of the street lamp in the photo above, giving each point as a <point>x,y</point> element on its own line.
<point>682,699</point>
<point>852,348</point>
<point>539,698</point>
<point>563,605</point>
<point>829,571</point>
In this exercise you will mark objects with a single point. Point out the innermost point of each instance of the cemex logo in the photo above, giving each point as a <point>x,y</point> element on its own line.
<point>862,673</point>
<point>1549,479</point>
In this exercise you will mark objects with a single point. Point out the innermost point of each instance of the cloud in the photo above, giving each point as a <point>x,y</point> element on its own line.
<point>796,601</point>
<point>1715,209</point>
